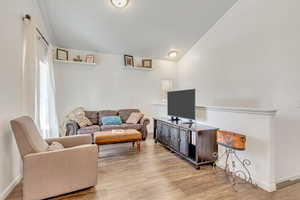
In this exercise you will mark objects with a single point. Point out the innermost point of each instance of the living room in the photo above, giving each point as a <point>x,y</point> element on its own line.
<point>64,59</point>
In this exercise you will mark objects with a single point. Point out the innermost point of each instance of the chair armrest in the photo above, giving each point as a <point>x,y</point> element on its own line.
<point>51,173</point>
<point>71,128</point>
<point>72,141</point>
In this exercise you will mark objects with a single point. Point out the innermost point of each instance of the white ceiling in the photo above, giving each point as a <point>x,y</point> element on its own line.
<point>147,28</point>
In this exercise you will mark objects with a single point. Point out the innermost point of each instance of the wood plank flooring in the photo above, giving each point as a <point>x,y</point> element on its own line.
<point>157,174</point>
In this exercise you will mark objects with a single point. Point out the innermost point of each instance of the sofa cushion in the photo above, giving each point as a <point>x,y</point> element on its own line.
<point>111,120</point>
<point>134,118</point>
<point>89,129</point>
<point>103,113</point>
<point>125,113</point>
<point>82,121</point>
<point>132,126</point>
<point>92,116</point>
<point>110,127</point>
<point>122,126</point>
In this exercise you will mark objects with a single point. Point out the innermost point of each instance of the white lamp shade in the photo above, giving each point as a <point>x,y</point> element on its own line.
<point>166,86</point>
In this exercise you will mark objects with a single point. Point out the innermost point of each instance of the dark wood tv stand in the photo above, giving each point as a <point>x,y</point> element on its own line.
<point>194,143</point>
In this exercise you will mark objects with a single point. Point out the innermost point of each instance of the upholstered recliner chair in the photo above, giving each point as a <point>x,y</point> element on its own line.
<point>52,173</point>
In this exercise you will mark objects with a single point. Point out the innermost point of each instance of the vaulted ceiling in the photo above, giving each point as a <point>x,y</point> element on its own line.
<point>149,28</point>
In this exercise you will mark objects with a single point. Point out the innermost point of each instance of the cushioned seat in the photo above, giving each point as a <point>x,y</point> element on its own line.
<point>51,173</point>
<point>132,126</point>
<point>122,126</point>
<point>89,129</point>
<point>73,128</point>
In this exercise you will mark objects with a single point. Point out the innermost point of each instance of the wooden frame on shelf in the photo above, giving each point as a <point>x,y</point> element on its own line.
<point>147,63</point>
<point>62,54</point>
<point>90,59</point>
<point>128,60</point>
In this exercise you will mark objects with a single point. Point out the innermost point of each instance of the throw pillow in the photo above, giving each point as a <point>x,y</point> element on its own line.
<point>82,121</point>
<point>111,120</point>
<point>134,118</point>
<point>55,146</point>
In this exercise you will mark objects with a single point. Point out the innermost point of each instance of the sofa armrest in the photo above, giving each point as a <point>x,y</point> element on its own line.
<point>144,122</point>
<point>72,141</point>
<point>52,173</point>
<point>71,128</point>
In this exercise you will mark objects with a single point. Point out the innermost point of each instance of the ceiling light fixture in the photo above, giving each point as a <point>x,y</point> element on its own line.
<point>119,3</point>
<point>172,54</point>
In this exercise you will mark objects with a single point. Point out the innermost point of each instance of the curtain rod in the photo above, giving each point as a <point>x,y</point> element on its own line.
<point>28,17</point>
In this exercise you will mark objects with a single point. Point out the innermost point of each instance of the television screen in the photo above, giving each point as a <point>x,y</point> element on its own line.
<point>182,103</point>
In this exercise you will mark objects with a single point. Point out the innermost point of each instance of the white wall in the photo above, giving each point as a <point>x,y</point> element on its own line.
<point>108,86</point>
<point>11,13</point>
<point>250,58</point>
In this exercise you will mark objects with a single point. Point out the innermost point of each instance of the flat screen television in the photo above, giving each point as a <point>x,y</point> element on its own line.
<point>182,104</point>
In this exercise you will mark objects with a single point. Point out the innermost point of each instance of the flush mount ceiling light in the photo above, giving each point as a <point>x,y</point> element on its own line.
<point>119,3</point>
<point>172,54</point>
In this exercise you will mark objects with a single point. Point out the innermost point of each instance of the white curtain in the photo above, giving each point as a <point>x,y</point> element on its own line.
<point>38,82</point>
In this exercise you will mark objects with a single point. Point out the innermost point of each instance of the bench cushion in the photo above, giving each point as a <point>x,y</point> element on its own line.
<point>108,137</point>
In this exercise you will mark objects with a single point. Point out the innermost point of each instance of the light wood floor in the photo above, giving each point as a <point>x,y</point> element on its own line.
<point>157,174</point>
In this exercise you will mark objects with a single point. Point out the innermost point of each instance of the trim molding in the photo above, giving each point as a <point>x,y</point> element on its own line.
<point>269,187</point>
<point>257,111</point>
<point>291,178</point>
<point>10,187</point>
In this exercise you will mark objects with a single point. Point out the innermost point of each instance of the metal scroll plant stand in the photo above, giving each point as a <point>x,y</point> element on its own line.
<point>243,173</point>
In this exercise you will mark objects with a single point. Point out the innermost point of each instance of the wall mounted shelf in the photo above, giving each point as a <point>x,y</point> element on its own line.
<point>137,68</point>
<point>73,62</point>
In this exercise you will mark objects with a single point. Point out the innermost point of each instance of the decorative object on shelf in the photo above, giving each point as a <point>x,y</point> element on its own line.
<point>62,54</point>
<point>232,142</point>
<point>166,86</point>
<point>128,60</point>
<point>77,59</point>
<point>147,63</point>
<point>90,59</point>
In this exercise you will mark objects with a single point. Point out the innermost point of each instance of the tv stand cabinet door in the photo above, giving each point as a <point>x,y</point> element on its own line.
<point>174,138</point>
<point>158,131</point>
<point>184,142</point>
<point>165,134</point>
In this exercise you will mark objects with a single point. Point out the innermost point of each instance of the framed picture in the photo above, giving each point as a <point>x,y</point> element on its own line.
<point>62,54</point>
<point>147,63</point>
<point>128,60</point>
<point>90,59</point>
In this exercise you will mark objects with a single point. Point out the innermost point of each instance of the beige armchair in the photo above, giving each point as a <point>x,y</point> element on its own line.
<point>52,173</point>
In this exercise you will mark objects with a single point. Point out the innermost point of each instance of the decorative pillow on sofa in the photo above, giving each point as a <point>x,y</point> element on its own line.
<point>134,118</point>
<point>55,146</point>
<point>82,121</point>
<point>111,120</point>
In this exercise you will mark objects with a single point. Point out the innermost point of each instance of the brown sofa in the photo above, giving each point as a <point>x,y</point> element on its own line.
<point>52,173</point>
<point>73,128</point>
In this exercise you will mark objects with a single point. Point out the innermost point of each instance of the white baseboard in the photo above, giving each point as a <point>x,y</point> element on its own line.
<point>291,178</point>
<point>265,186</point>
<point>10,187</point>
